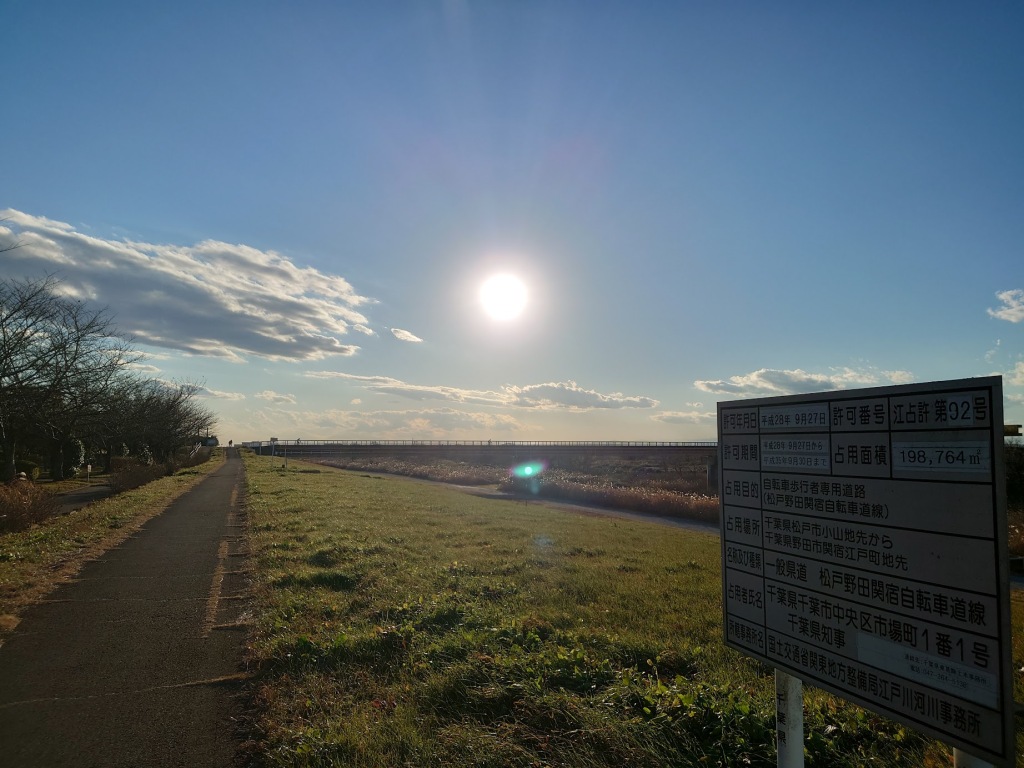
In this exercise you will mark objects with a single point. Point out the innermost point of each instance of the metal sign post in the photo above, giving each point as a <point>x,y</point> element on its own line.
<point>789,720</point>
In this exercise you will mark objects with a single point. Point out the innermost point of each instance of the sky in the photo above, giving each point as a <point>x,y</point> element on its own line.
<point>294,205</point>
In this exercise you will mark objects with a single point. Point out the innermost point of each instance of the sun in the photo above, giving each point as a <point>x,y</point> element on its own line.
<point>503,296</point>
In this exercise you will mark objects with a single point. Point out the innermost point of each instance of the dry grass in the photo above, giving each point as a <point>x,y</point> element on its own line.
<point>659,497</point>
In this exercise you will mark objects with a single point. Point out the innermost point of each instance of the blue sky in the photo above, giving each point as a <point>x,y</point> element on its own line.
<point>295,204</point>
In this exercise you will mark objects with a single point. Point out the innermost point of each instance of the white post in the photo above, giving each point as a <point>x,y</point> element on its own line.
<point>963,760</point>
<point>789,720</point>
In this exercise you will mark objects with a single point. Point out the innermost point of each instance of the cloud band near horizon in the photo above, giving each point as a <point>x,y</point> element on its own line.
<point>565,395</point>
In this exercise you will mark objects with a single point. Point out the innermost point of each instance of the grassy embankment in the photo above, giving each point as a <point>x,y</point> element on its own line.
<point>33,561</point>
<point>404,624</point>
<point>620,484</point>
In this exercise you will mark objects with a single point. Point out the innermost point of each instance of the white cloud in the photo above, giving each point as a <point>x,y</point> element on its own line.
<point>899,377</point>
<point>211,299</point>
<point>405,335</point>
<point>563,395</point>
<point>385,385</point>
<point>1016,376</point>
<point>568,394</point>
<point>218,395</point>
<point>685,417</point>
<point>769,382</point>
<point>1013,306</point>
<point>275,397</point>
<point>390,425</point>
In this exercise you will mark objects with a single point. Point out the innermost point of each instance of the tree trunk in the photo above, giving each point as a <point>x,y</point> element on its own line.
<point>9,469</point>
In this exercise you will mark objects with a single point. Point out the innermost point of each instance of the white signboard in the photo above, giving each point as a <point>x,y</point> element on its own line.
<point>864,551</point>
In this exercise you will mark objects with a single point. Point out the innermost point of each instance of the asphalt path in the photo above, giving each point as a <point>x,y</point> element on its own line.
<point>74,500</point>
<point>138,662</point>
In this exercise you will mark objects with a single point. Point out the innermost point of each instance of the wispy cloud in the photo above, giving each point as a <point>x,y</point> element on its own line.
<point>1013,306</point>
<point>685,417</point>
<point>769,382</point>
<point>896,377</point>
<point>1016,376</point>
<point>218,395</point>
<point>144,368</point>
<point>385,385</point>
<point>275,397</point>
<point>398,424</point>
<point>213,299</point>
<point>564,395</point>
<point>568,394</point>
<point>405,335</point>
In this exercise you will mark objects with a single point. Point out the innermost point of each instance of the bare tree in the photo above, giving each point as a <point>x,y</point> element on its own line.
<point>85,356</point>
<point>25,314</point>
<point>65,375</point>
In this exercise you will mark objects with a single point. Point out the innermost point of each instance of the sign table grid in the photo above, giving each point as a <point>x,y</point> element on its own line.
<point>864,550</point>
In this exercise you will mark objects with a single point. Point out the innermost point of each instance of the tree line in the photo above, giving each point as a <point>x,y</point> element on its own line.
<point>70,391</point>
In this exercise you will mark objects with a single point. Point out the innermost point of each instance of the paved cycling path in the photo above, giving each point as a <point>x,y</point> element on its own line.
<point>137,662</point>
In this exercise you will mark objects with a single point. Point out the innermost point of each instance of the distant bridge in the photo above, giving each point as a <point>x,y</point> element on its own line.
<point>491,451</point>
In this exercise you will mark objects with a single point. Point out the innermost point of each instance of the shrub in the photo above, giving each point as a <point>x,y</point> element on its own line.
<point>126,474</point>
<point>22,504</point>
<point>30,468</point>
<point>588,489</point>
<point>1014,457</point>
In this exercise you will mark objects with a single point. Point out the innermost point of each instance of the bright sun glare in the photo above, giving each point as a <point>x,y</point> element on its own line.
<point>503,296</point>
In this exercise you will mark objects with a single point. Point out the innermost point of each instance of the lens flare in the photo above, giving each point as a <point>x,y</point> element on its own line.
<point>526,476</point>
<point>529,469</point>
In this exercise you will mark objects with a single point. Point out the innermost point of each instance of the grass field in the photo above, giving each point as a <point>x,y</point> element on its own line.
<point>400,623</point>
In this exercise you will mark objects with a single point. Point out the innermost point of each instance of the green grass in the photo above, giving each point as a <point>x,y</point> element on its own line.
<point>617,483</point>
<point>400,623</point>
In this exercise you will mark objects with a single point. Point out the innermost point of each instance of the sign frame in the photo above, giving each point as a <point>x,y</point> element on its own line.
<point>848,518</point>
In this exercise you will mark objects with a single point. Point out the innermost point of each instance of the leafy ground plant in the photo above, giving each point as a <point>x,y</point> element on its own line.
<point>400,623</point>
